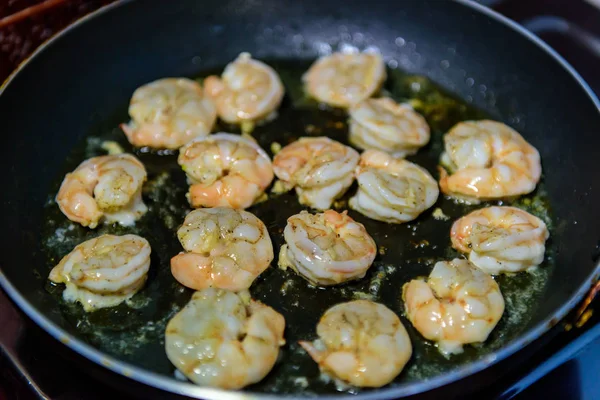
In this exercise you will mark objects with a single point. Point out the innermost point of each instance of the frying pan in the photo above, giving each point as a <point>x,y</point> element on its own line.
<point>78,85</point>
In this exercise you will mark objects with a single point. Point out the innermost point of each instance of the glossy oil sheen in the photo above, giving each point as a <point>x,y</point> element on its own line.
<point>135,331</point>
<point>79,87</point>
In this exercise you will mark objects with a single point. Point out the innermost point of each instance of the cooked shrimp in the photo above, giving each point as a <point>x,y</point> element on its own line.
<point>104,187</point>
<point>248,90</point>
<point>488,160</point>
<point>326,248</point>
<point>344,79</point>
<point>319,168</point>
<point>104,271</point>
<point>391,189</point>
<point>225,170</point>
<point>168,113</point>
<point>361,343</point>
<point>459,304</point>
<point>501,239</point>
<point>225,249</point>
<point>224,339</point>
<point>383,124</point>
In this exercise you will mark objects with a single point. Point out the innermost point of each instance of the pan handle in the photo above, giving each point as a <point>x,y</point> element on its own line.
<point>549,23</point>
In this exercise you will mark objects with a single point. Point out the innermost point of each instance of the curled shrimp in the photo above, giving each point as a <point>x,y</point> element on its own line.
<point>104,187</point>
<point>488,160</point>
<point>319,168</point>
<point>104,271</point>
<point>224,339</point>
<point>391,189</point>
<point>248,90</point>
<point>326,248</point>
<point>168,113</point>
<point>344,79</point>
<point>459,304</point>
<point>225,248</point>
<point>362,343</point>
<point>383,124</point>
<point>501,239</point>
<point>225,170</point>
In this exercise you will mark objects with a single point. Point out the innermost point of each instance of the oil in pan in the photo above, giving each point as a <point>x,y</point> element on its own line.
<point>134,331</point>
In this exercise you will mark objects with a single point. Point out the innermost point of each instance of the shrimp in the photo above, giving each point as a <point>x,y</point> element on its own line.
<point>104,187</point>
<point>225,170</point>
<point>326,248</point>
<point>459,304</point>
<point>501,239</point>
<point>344,79</point>
<point>488,160</point>
<point>383,124</point>
<point>168,113</point>
<point>104,271</point>
<point>225,249</point>
<point>319,168</point>
<point>224,339</point>
<point>248,90</point>
<point>362,343</point>
<point>391,189</point>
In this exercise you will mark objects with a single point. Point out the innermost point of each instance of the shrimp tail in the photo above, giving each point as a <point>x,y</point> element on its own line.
<point>126,128</point>
<point>192,270</point>
<point>443,180</point>
<point>77,203</point>
<point>131,131</point>
<point>213,86</point>
<point>317,355</point>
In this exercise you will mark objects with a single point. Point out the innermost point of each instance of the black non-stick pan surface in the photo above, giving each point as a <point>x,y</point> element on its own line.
<point>453,61</point>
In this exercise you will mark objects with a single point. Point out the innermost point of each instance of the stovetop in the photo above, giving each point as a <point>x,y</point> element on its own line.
<point>34,365</point>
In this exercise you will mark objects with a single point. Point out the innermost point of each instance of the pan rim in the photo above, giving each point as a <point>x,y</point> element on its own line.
<point>171,385</point>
